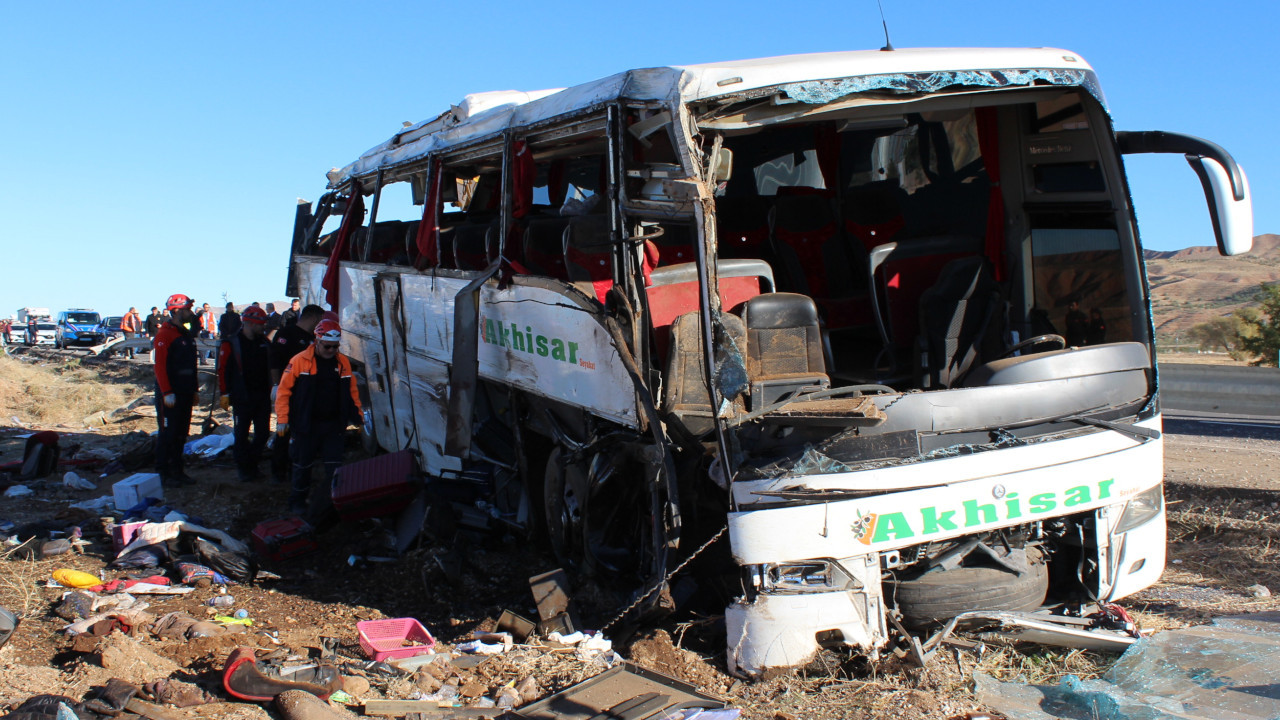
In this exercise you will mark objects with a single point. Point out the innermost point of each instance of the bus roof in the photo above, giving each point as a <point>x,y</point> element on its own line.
<point>486,114</point>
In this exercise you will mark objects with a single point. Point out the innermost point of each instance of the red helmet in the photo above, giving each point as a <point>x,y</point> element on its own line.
<point>254,314</point>
<point>328,330</point>
<point>178,301</point>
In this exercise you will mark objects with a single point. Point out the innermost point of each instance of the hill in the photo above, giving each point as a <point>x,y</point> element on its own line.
<point>1197,284</point>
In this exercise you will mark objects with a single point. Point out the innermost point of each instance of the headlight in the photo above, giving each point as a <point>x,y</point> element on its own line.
<point>806,576</point>
<point>1141,508</point>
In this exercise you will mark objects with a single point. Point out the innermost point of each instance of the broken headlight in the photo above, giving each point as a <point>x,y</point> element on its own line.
<point>806,576</point>
<point>1141,508</point>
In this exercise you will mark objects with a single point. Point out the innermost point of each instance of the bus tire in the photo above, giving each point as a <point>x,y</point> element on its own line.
<point>936,597</point>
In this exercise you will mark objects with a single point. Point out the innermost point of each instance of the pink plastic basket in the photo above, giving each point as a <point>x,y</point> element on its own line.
<point>394,638</point>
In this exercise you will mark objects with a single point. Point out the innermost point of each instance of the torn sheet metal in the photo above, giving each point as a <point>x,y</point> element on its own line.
<point>1039,628</point>
<point>626,691</point>
<point>817,92</point>
<point>1226,670</point>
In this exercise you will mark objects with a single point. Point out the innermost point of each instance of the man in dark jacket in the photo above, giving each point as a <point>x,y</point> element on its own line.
<point>290,316</point>
<point>316,401</point>
<point>177,387</point>
<point>229,323</point>
<point>288,342</point>
<point>153,322</point>
<point>244,383</point>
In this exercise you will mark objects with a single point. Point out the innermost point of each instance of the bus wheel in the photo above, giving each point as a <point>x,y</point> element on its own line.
<point>938,596</point>
<point>618,520</point>
<point>563,490</point>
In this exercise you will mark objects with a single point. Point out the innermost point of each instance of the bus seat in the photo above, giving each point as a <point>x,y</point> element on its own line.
<point>784,347</point>
<point>900,272</point>
<point>544,247</point>
<point>873,213</point>
<point>675,245</point>
<point>588,254</point>
<point>813,255</point>
<point>673,291</point>
<point>961,322</point>
<point>471,246</point>
<point>684,387</point>
<point>742,227</point>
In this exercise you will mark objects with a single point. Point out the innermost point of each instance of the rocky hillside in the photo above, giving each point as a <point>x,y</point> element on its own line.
<point>1197,284</point>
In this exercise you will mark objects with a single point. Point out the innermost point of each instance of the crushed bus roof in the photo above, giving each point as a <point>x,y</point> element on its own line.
<point>483,115</point>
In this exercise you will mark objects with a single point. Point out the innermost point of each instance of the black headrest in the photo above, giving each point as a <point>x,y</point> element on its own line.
<point>780,310</point>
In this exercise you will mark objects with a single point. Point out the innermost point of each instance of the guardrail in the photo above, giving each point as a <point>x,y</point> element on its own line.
<point>1220,389</point>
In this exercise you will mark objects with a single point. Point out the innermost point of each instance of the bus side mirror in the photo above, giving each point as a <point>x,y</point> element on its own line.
<point>1232,217</point>
<point>723,170</point>
<point>1226,188</point>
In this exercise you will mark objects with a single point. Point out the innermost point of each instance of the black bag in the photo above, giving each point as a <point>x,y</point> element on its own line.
<point>40,457</point>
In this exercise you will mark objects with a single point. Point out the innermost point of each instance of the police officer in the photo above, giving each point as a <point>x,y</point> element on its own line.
<point>176,389</point>
<point>244,383</point>
<point>289,341</point>
<point>317,399</point>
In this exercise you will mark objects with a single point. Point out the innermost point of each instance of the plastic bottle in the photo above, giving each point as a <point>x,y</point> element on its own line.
<point>241,614</point>
<point>222,601</point>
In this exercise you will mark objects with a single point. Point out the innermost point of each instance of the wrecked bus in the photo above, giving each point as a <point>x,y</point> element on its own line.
<point>876,322</point>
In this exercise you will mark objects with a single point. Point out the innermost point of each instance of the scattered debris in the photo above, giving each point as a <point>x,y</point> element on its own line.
<point>1224,669</point>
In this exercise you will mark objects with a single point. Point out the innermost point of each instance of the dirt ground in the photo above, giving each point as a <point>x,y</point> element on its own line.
<point>1223,507</point>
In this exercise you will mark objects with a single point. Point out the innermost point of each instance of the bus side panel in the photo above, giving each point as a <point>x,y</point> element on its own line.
<point>429,388</point>
<point>310,275</point>
<point>401,419</point>
<point>531,338</point>
<point>363,340</point>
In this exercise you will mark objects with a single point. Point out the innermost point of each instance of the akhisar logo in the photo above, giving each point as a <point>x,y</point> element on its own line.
<point>874,528</point>
<point>495,332</point>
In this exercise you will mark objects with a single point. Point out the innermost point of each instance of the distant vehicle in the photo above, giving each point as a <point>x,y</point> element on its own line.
<point>46,334</point>
<point>38,313</point>
<point>79,327</point>
<point>112,326</point>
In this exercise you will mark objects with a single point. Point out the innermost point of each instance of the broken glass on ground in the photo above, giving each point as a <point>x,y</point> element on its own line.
<point>1226,670</point>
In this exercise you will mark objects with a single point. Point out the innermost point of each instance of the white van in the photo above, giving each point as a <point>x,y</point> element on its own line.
<point>867,332</point>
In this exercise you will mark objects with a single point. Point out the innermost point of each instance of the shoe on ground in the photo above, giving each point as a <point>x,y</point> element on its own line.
<point>184,478</point>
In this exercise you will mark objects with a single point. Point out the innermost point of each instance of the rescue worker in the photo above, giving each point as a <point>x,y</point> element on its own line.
<point>289,341</point>
<point>130,324</point>
<point>317,399</point>
<point>244,384</point>
<point>177,387</point>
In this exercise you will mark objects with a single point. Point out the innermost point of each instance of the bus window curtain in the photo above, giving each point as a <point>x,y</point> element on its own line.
<point>350,221</point>
<point>523,175</point>
<point>989,146</point>
<point>428,238</point>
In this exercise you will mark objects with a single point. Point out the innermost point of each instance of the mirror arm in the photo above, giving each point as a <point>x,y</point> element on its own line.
<point>1158,141</point>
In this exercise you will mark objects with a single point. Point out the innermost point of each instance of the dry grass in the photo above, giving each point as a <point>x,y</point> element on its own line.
<point>1038,665</point>
<point>63,391</point>
<point>18,579</point>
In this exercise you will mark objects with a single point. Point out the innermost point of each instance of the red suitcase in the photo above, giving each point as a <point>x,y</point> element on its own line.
<point>283,539</point>
<point>376,487</point>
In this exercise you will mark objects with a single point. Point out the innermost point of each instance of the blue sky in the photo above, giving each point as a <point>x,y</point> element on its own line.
<point>152,148</point>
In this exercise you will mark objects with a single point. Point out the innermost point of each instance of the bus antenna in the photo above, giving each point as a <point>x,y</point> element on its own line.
<point>888,46</point>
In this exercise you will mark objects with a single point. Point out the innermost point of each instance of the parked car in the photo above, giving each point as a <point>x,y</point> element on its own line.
<point>79,327</point>
<point>111,326</point>
<point>46,333</point>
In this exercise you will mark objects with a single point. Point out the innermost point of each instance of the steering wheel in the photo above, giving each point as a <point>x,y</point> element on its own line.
<point>1058,340</point>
